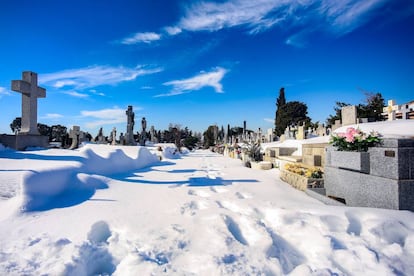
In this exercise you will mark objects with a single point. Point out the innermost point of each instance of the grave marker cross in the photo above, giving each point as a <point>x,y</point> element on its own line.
<point>30,92</point>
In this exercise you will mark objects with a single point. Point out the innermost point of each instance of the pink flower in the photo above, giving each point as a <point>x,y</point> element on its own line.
<point>349,138</point>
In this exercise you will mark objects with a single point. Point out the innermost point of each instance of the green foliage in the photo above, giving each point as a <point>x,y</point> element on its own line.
<point>254,152</point>
<point>289,113</point>
<point>16,125</point>
<point>209,139</point>
<point>190,142</point>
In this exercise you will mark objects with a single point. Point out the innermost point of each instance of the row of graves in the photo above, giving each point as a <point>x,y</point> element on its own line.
<point>378,174</point>
<point>29,136</point>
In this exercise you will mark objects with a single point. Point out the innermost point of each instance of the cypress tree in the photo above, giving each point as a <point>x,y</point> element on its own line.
<point>280,119</point>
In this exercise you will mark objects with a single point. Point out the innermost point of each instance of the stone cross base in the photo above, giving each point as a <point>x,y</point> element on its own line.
<point>21,142</point>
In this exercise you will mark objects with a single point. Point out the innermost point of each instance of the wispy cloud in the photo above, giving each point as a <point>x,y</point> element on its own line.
<point>4,92</point>
<point>76,94</point>
<point>52,116</point>
<point>203,79</point>
<point>298,19</point>
<point>147,37</point>
<point>109,116</point>
<point>269,120</point>
<point>94,76</point>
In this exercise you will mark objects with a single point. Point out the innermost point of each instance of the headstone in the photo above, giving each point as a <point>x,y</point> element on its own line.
<point>269,135</point>
<point>30,92</point>
<point>100,138</point>
<point>321,130</point>
<point>349,115</point>
<point>391,110</point>
<point>336,125</point>
<point>301,133</point>
<point>129,136</point>
<point>77,136</point>
<point>143,132</point>
<point>113,136</point>
<point>122,139</point>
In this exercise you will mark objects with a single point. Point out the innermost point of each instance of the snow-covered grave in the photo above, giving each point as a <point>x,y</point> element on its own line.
<point>119,210</point>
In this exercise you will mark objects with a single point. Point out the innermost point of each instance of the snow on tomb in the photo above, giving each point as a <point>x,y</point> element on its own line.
<point>29,135</point>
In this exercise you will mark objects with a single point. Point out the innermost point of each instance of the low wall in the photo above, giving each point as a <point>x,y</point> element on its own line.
<point>298,181</point>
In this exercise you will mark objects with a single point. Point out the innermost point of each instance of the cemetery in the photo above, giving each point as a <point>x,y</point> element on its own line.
<point>108,178</point>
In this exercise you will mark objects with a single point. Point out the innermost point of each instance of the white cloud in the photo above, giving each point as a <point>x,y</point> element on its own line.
<point>173,30</point>
<point>94,91</point>
<point>204,79</point>
<point>147,37</point>
<point>109,116</point>
<point>307,16</point>
<point>269,120</point>
<point>76,94</point>
<point>93,76</point>
<point>52,116</point>
<point>4,92</point>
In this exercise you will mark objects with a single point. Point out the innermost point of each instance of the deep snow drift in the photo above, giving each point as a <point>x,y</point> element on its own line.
<point>118,210</point>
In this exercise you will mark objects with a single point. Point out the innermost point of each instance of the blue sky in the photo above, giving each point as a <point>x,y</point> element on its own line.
<point>198,63</point>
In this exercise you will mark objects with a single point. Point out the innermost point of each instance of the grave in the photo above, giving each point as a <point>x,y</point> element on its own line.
<point>113,136</point>
<point>77,137</point>
<point>349,115</point>
<point>383,177</point>
<point>29,135</point>
<point>129,135</point>
<point>301,133</point>
<point>143,132</point>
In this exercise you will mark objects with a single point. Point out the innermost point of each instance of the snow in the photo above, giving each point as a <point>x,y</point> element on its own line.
<point>119,210</point>
<point>388,129</point>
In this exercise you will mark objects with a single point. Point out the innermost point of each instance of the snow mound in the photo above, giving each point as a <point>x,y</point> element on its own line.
<point>69,185</point>
<point>388,129</point>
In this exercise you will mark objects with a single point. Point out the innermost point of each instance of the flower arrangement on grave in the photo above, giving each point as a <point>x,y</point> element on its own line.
<point>355,140</point>
<point>306,172</point>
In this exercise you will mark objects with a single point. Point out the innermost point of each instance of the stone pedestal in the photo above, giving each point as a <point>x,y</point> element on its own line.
<point>387,183</point>
<point>23,141</point>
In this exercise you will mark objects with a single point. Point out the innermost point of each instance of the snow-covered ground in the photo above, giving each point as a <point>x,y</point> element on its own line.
<point>118,210</point>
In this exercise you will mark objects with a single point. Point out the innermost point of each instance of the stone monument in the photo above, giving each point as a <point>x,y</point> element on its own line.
<point>28,135</point>
<point>113,136</point>
<point>143,132</point>
<point>349,115</point>
<point>129,135</point>
<point>77,137</point>
<point>391,110</point>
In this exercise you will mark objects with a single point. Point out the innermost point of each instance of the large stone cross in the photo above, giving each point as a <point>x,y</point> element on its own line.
<point>391,109</point>
<point>30,92</point>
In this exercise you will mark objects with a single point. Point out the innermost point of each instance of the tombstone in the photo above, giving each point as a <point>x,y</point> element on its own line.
<point>391,110</point>
<point>100,138</point>
<point>321,130</point>
<point>113,136</point>
<point>122,139</point>
<point>349,115</point>
<point>143,132</point>
<point>29,135</point>
<point>301,133</point>
<point>77,136</point>
<point>336,125</point>
<point>129,136</point>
